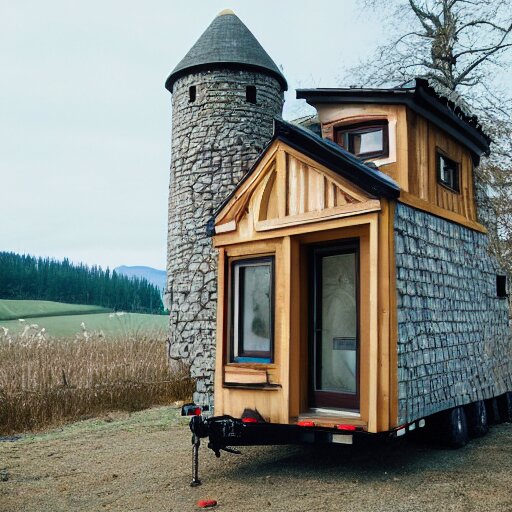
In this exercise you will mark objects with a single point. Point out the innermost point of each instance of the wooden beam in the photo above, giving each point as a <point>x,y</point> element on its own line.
<point>384,293</point>
<point>295,355</point>
<point>429,207</point>
<point>373,355</point>
<point>348,209</point>
<point>220,348</point>
<point>393,323</point>
<point>282,183</point>
<point>283,312</point>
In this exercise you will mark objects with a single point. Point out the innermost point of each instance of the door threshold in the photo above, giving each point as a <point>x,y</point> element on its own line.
<point>332,418</point>
<point>333,412</point>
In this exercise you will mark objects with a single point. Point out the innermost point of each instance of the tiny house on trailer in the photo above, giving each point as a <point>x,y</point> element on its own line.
<point>356,293</point>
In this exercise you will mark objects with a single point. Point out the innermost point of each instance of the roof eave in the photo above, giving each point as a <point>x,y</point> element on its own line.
<point>416,99</point>
<point>299,139</point>
<point>177,74</point>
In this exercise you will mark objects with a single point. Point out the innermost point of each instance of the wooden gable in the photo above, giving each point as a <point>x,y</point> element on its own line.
<point>288,188</point>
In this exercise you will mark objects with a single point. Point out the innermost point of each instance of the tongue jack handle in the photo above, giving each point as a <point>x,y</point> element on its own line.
<point>196,443</point>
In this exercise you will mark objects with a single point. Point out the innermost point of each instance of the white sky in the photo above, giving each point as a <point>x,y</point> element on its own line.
<point>85,122</point>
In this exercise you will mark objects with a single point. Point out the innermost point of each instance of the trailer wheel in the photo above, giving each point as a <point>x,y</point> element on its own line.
<point>505,407</point>
<point>458,435</point>
<point>476,414</point>
<point>493,412</point>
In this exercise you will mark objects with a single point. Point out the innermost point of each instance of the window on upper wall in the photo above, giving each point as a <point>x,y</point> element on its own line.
<point>447,172</point>
<point>192,92</point>
<point>501,286</point>
<point>365,140</point>
<point>250,94</point>
<point>252,310</point>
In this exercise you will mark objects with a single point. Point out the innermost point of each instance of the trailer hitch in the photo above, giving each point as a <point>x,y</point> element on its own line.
<point>216,429</point>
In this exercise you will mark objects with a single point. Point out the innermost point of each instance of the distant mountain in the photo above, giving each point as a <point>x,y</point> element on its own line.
<point>152,275</point>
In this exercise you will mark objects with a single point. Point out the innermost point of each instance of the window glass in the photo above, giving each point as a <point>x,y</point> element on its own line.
<point>448,172</point>
<point>366,140</point>
<point>252,310</point>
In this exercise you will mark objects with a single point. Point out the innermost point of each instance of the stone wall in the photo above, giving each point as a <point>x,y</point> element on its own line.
<point>215,140</point>
<point>453,335</point>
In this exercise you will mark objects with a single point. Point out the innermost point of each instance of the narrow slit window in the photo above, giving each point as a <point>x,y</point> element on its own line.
<point>501,286</point>
<point>192,92</point>
<point>448,172</point>
<point>252,310</point>
<point>250,94</point>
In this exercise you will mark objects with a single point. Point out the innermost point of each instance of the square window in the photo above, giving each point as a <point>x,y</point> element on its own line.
<point>252,310</point>
<point>447,172</point>
<point>365,140</point>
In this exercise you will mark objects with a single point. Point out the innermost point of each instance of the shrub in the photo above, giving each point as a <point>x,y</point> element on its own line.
<point>45,381</point>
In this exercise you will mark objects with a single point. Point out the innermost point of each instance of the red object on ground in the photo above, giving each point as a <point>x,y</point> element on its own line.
<point>206,503</point>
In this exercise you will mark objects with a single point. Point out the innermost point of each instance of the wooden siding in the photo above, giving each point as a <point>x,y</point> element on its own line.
<point>425,140</point>
<point>412,158</point>
<point>289,203</point>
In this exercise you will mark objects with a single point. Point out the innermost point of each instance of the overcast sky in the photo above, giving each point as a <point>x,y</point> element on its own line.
<point>85,121</point>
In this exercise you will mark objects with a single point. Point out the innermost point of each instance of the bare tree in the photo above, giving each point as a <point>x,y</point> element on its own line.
<point>459,46</point>
<point>455,44</point>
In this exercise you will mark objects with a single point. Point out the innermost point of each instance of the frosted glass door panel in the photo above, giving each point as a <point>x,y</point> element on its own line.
<point>338,336</point>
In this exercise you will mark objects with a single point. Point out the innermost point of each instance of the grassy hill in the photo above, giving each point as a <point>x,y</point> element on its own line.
<point>14,309</point>
<point>65,320</point>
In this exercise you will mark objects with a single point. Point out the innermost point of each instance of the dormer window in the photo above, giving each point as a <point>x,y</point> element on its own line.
<point>368,140</point>
<point>447,172</point>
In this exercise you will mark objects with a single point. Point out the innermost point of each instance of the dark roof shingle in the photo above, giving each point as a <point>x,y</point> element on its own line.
<point>227,42</point>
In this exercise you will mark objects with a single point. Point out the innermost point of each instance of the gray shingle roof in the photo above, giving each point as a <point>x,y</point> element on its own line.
<point>227,42</point>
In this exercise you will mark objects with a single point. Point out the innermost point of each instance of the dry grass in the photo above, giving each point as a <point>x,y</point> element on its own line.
<point>46,381</point>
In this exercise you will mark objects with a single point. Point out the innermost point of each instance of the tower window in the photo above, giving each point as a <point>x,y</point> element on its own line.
<point>192,94</point>
<point>501,286</point>
<point>447,172</point>
<point>250,94</point>
<point>365,140</point>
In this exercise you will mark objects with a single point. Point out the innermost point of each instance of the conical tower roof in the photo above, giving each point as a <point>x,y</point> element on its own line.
<point>226,43</point>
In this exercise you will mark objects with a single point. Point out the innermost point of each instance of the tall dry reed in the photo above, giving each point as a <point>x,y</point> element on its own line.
<point>46,381</point>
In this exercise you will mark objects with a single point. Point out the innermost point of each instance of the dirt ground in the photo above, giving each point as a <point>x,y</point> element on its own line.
<point>142,462</point>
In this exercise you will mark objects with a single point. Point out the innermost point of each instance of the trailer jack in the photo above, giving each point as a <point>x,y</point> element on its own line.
<point>224,432</point>
<point>201,427</point>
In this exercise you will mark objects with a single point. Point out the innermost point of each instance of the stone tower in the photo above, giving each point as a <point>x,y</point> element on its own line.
<point>225,93</point>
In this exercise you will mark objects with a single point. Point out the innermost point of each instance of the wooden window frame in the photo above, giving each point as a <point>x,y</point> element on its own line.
<point>455,186</point>
<point>365,127</point>
<point>236,326</point>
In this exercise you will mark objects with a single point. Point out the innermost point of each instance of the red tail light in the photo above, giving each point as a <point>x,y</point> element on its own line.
<point>191,410</point>
<point>350,428</point>
<point>249,420</point>
<point>306,423</point>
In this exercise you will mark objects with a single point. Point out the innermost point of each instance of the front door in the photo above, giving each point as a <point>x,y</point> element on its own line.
<point>334,340</point>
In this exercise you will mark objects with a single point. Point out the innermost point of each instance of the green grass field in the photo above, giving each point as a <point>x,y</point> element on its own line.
<point>14,309</point>
<point>64,320</point>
